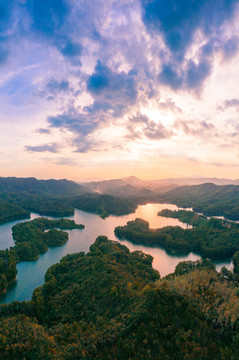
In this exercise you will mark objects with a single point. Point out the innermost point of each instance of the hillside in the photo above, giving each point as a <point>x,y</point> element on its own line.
<point>32,238</point>
<point>210,199</point>
<point>149,189</point>
<point>110,304</point>
<point>20,196</point>
<point>129,186</point>
<point>32,185</point>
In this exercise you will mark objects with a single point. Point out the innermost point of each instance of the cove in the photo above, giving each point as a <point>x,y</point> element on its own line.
<point>31,273</point>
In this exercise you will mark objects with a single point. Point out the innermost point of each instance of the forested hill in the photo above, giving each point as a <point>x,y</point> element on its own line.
<point>210,199</point>
<point>52,187</point>
<point>110,304</point>
<point>20,196</point>
<point>60,197</point>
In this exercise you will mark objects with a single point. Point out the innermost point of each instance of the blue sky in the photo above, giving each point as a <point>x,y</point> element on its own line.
<point>92,89</point>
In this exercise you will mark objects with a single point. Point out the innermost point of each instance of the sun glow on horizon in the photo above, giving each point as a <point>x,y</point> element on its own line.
<point>119,94</point>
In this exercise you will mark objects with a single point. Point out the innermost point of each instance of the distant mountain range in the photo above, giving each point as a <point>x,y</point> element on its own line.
<point>132,186</point>
<point>20,196</point>
<point>197,181</point>
<point>127,186</point>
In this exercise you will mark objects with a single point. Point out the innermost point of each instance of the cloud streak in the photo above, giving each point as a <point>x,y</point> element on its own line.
<point>53,148</point>
<point>119,78</point>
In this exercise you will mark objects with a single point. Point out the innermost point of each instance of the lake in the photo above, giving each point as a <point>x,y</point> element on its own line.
<point>31,273</point>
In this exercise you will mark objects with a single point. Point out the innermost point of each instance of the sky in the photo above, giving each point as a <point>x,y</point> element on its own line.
<point>107,89</point>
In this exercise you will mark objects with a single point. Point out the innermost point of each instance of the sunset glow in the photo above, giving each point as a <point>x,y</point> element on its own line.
<point>118,88</point>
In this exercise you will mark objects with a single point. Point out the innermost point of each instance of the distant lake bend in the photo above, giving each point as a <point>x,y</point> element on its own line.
<point>31,273</point>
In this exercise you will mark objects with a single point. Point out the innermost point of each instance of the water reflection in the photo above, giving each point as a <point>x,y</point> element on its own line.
<point>31,274</point>
<point>6,240</point>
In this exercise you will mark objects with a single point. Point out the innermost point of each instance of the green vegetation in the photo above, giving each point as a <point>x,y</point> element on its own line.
<point>104,204</point>
<point>188,217</point>
<point>60,197</point>
<point>32,185</point>
<point>8,270</point>
<point>19,197</point>
<point>31,239</point>
<point>209,199</point>
<point>236,262</point>
<point>110,304</point>
<point>42,204</point>
<point>9,212</point>
<point>213,238</point>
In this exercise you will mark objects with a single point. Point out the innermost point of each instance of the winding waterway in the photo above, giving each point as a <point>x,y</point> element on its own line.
<point>31,273</point>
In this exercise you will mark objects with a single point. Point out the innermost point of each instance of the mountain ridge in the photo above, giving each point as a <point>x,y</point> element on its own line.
<point>133,186</point>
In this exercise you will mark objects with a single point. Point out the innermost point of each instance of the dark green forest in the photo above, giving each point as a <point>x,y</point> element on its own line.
<point>211,238</point>
<point>110,304</point>
<point>209,199</point>
<point>32,239</point>
<point>104,205</point>
<point>10,212</point>
<point>19,197</point>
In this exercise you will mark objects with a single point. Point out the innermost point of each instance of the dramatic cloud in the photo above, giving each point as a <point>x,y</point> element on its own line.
<point>52,19</point>
<point>111,90</point>
<point>123,80</point>
<point>186,24</point>
<point>178,21</point>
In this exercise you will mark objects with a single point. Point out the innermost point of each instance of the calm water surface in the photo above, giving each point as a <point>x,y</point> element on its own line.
<point>31,273</point>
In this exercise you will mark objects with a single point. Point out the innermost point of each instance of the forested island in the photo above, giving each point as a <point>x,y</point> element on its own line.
<point>212,238</point>
<point>190,217</point>
<point>32,238</point>
<point>110,304</point>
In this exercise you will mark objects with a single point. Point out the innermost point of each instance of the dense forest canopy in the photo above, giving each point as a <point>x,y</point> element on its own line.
<point>110,304</point>
<point>211,238</point>
<point>32,239</point>
<point>209,199</point>
<point>53,187</point>
<point>60,197</point>
<point>19,197</point>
